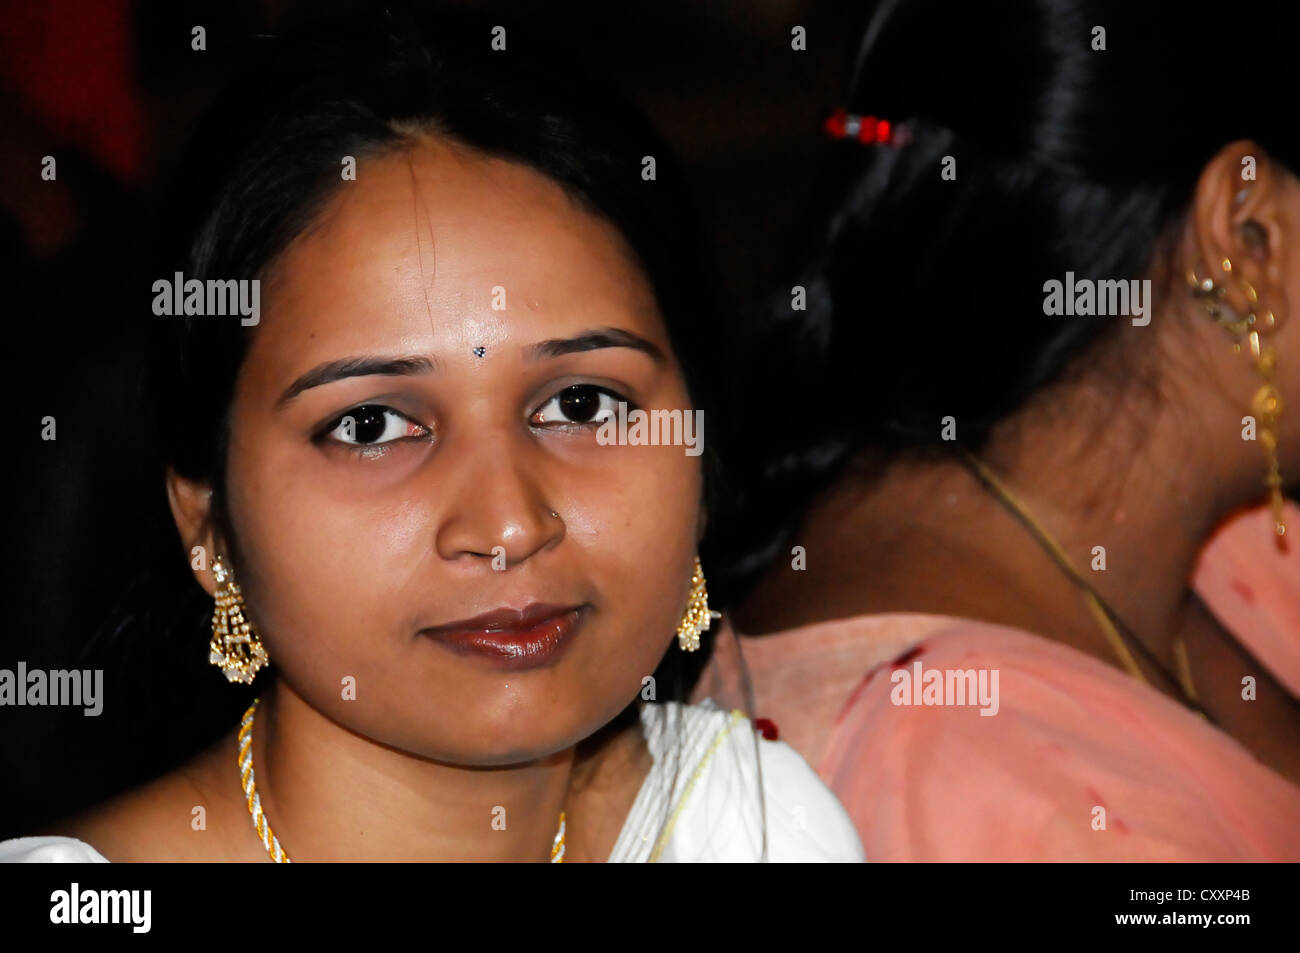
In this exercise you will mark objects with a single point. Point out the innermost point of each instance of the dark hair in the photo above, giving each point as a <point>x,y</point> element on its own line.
<point>358,87</point>
<point>261,166</point>
<point>925,294</point>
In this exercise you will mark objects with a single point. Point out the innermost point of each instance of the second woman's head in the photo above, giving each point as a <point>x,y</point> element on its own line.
<point>965,276</point>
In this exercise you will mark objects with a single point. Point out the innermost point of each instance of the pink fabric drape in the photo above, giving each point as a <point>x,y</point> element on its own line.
<point>1080,762</point>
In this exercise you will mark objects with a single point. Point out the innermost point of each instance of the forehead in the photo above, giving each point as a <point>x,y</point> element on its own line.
<point>436,241</point>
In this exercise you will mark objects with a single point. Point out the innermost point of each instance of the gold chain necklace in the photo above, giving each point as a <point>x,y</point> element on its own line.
<point>263,826</point>
<point>1106,618</point>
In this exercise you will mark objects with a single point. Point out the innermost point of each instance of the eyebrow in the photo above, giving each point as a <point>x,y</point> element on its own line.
<point>592,341</point>
<point>332,371</point>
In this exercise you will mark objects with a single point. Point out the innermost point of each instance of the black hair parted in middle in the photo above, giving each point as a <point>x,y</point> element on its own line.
<point>262,165</point>
<point>268,157</point>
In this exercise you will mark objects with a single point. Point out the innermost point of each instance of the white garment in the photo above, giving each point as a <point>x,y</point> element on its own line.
<point>712,809</point>
<point>700,801</point>
<point>49,850</point>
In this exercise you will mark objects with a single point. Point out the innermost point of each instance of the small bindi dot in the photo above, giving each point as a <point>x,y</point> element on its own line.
<point>480,351</point>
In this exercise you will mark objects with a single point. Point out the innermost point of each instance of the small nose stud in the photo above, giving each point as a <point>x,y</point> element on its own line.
<point>480,351</point>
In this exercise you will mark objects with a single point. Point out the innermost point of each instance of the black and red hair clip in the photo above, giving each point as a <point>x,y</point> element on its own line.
<point>868,130</point>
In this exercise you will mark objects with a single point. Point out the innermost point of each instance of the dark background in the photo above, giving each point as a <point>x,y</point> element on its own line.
<point>112,90</point>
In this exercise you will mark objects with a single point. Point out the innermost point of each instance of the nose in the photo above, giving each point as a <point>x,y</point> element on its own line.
<point>494,504</point>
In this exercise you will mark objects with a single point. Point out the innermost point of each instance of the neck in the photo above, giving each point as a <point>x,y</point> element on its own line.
<point>1147,479</point>
<point>1131,507</point>
<point>331,794</point>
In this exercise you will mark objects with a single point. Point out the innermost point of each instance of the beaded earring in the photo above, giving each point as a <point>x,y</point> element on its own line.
<point>1266,405</point>
<point>697,617</point>
<point>236,648</point>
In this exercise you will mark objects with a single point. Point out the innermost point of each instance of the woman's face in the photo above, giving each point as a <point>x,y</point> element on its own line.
<point>373,504</point>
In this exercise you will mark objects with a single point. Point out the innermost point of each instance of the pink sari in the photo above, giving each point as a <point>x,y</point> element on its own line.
<point>1080,761</point>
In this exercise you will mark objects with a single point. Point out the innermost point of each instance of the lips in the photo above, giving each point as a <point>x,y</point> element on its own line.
<point>512,638</point>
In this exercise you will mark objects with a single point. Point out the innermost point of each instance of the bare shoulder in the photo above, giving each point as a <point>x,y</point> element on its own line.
<point>187,814</point>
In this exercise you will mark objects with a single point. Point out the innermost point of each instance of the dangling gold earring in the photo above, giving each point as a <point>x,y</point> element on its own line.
<point>236,648</point>
<point>697,617</point>
<point>1267,408</point>
<point>1266,405</point>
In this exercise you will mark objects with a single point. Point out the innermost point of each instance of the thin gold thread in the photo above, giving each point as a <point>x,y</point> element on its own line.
<point>737,716</point>
<point>1093,601</point>
<point>1184,668</point>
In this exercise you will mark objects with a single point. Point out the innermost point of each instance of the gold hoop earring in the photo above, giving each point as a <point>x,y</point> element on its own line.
<point>236,648</point>
<point>697,618</point>
<point>1266,405</point>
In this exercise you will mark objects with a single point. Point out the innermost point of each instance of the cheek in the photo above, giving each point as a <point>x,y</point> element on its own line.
<point>325,557</point>
<point>338,571</point>
<point>638,519</point>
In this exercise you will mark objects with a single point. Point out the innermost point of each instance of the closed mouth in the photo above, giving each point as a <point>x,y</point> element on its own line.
<point>512,638</point>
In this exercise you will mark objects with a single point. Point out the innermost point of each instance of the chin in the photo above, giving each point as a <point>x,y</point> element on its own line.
<point>505,752</point>
<point>529,734</point>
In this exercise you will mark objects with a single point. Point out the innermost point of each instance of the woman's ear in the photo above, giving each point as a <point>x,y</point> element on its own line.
<point>191,505</point>
<point>1241,233</point>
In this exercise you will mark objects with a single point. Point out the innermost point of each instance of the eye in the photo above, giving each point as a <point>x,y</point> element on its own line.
<point>578,404</point>
<point>372,424</point>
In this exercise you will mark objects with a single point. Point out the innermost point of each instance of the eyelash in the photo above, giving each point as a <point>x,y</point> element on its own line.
<point>578,424</point>
<point>323,435</point>
<point>378,449</point>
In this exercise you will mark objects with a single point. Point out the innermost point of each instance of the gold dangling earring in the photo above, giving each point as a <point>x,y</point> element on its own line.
<point>236,648</point>
<point>1266,405</point>
<point>1267,408</point>
<point>697,618</point>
